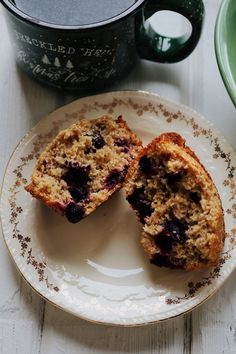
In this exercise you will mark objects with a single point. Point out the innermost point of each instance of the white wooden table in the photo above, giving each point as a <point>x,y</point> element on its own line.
<point>28,324</point>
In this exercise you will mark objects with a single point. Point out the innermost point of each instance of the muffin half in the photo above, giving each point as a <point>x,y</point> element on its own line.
<point>84,165</point>
<point>177,204</point>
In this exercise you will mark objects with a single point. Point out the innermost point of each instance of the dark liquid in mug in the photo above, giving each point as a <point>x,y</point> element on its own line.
<point>73,12</point>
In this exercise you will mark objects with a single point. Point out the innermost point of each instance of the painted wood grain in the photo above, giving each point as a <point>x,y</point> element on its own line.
<point>28,324</point>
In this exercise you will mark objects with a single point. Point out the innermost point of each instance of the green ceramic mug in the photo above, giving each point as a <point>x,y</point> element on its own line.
<point>89,56</point>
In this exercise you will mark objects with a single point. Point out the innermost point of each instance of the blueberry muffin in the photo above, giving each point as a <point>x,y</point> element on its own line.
<point>177,204</point>
<point>84,165</point>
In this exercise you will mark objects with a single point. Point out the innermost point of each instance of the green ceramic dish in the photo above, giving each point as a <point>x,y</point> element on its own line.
<point>225,45</point>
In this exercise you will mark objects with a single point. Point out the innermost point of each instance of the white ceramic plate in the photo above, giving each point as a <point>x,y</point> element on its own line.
<point>96,269</point>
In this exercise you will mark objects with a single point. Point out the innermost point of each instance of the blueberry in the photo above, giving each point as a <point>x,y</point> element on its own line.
<point>80,193</point>
<point>141,203</point>
<point>116,176</point>
<point>76,175</point>
<point>174,231</point>
<point>195,197</point>
<point>74,213</point>
<point>145,165</point>
<point>172,178</point>
<point>124,144</point>
<point>89,150</point>
<point>97,140</point>
<point>161,260</point>
<point>101,126</point>
<point>164,241</point>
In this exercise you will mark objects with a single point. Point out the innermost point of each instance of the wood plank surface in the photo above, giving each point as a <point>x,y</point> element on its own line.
<point>28,324</point>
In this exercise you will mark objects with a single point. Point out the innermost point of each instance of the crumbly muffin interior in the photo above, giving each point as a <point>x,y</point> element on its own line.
<point>179,207</point>
<point>84,165</point>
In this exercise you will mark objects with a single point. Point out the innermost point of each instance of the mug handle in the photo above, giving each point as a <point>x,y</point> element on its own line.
<point>152,46</point>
